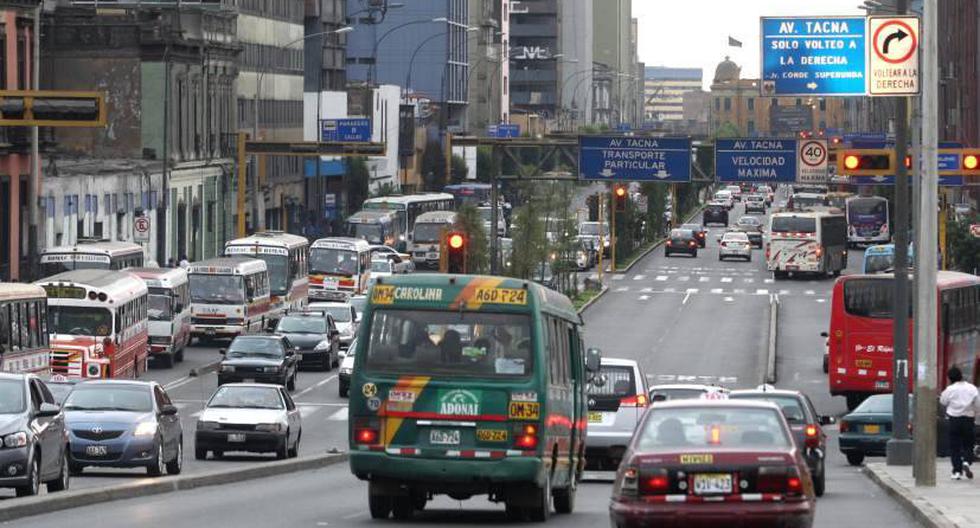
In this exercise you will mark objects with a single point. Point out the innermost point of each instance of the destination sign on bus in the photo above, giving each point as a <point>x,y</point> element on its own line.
<point>385,294</point>
<point>59,291</point>
<point>74,257</point>
<point>255,250</point>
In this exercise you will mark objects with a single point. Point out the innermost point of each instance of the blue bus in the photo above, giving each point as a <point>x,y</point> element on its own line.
<point>881,259</point>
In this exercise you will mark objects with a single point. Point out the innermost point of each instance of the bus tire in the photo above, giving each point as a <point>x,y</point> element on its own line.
<point>565,498</point>
<point>541,497</point>
<point>402,507</point>
<point>179,357</point>
<point>379,503</point>
<point>167,360</point>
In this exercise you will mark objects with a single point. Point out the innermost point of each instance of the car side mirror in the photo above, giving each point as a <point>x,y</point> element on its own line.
<point>593,358</point>
<point>168,410</point>
<point>48,410</point>
<point>222,351</point>
<point>828,420</point>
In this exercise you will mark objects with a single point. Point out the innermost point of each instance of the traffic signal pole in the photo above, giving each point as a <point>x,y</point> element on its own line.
<point>900,448</point>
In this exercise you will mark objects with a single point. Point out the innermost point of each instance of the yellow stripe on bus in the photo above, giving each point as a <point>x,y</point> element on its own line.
<point>413,384</point>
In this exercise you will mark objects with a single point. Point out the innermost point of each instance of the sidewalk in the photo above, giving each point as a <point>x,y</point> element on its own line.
<point>949,504</point>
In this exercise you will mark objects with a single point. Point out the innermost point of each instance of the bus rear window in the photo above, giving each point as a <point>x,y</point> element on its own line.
<point>450,344</point>
<point>794,224</point>
<point>872,298</point>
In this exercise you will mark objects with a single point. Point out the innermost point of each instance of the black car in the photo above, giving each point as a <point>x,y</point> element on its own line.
<point>700,233</point>
<point>33,446</point>
<point>715,214</point>
<point>681,241</point>
<point>315,337</point>
<point>805,423</point>
<point>262,359</point>
<point>751,226</point>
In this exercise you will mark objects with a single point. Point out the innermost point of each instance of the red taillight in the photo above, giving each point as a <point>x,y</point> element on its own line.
<point>528,439</point>
<point>794,485</point>
<point>812,436</point>
<point>843,426</point>
<point>779,480</point>
<point>692,243</point>
<point>640,400</point>
<point>654,483</point>
<point>668,242</point>
<point>346,283</point>
<point>366,435</point>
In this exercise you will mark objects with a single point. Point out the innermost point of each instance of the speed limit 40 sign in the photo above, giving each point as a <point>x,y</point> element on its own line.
<point>812,161</point>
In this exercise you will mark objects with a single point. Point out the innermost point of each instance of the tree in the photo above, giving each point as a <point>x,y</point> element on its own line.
<point>530,243</point>
<point>358,183</point>
<point>963,248</point>
<point>459,169</point>
<point>656,194</point>
<point>486,166</point>
<point>433,166</point>
<point>727,130</point>
<point>469,222</point>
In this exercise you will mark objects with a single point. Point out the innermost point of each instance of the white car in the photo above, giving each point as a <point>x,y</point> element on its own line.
<point>345,373</point>
<point>736,192</point>
<point>687,391</point>
<point>735,244</point>
<point>344,316</point>
<point>250,417</point>
<point>726,197</point>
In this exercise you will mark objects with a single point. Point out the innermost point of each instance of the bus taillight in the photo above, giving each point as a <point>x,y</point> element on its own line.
<point>528,439</point>
<point>366,432</point>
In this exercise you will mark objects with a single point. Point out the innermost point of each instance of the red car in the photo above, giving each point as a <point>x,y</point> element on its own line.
<point>713,463</point>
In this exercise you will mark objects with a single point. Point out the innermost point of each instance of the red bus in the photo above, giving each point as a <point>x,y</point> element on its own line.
<point>860,337</point>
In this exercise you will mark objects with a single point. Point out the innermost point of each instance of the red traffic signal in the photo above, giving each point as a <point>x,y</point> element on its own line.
<point>619,196</point>
<point>456,240</point>
<point>456,249</point>
<point>868,162</point>
<point>971,163</point>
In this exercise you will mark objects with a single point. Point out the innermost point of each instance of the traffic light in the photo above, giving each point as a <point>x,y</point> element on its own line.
<point>619,198</point>
<point>52,108</point>
<point>456,251</point>
<point>970,162</point>
<point>867,162</point>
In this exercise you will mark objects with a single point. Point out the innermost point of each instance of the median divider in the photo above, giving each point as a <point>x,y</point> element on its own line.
<point>25,507</point>
<point>658,243</point>
<point>773,337</point>
<point>592,301</point>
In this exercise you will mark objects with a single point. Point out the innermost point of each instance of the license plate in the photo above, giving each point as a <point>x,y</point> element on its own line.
<point>210,332</point>
<point>444,437</point>
<point>491,435</point>
<point>433,255</point>
<point>872,429</point>
<point>595,417</point>
<point>96,450</point>
<point>881,385</point>
<point>712,483</point>
<point>792,267</point>
<point>236,437</point>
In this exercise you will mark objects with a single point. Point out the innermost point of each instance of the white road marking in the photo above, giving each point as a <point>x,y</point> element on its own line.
<point>623,289</point>
<point>729,299</point>
<point>339,416</point>
<point>738,291</point>
<point>178,383</point>
<point>670,290</point>
<point>748,281</point>
<point>685,278</point>
<point>704,279</point>
<point>726,279</point>
<point>321,383</point>
<point>306,410</point>
<point>717,291</point>
<point>762,292</point>
<point>639,277</point>
<point>769,281</point>
<point>618,277</point>
<point>354,515</point>
<point>646,290</point>
<point>686,297</point>
<point>644,297</point>
<point>809,292</point>
<point>821,300</point>
<point>784,292</point>
<point>661,278</point>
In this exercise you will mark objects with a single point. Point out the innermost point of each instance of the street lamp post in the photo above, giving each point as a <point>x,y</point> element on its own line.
<point>411,62</point>
<point>372,69</point>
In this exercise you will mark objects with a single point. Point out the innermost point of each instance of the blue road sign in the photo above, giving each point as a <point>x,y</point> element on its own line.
<point>504,130</point>
<point>865,137</point>
<point>814,56</point>
<point>949,161</point>
<point>621,158</point>
<point>623,127</point>
<point>350,130</point>
<point>755,160</point>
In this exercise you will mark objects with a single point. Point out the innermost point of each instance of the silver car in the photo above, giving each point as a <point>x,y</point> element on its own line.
<point>344,316</point>
<point>617,399</point>
<point>735,244</point>
<point>250,417</point>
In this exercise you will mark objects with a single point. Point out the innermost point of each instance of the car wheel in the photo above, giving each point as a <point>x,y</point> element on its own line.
<point>294,452</point>
<point>75,469</point>
<point>167,360</point>
<point>541,510</point>
<point>33,480</point>
<point>159,464</point>
<point>61,483</point>
<point>200,454</point>
<point>342,391</point>
<point>175,466</point>
<point>379,503</point>
<point>820,481</point>
<point>855,459</point>
<point>180,354</point>
<point>282,452</point>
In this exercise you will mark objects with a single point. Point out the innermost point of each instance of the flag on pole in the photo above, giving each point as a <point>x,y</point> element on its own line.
<point>734,43</point>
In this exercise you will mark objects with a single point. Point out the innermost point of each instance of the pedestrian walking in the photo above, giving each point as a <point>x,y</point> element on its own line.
<point>184,263</point>
<point>962,403</point>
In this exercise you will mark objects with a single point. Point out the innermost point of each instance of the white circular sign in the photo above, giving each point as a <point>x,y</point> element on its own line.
<point>142,224</point>
<point>813,153</point>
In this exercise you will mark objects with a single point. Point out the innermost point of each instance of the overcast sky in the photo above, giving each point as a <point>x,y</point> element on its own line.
<point>694,33</point>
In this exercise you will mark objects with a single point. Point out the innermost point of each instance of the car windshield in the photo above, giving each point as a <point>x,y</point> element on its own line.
<point>429,233</point>
<point>243,396</point>
<point>681,234</point>
<point>79,320</point>
<point>618,381</point>
<point>12,399</point>
<point>794,224</point>
<point>60,391</point>
<point>711,427</point>
<point>217,289</point>
<point>749,221</point>
<point>450,344</point>
<point>381,266</point>
<point>790,405</point>
<point>340,312</point>
<point>158,307</point>
<point>333,262</point>
<point>254,347</point>
<point>109,397</point>
<point>302,325</point>
<point>878,263</point>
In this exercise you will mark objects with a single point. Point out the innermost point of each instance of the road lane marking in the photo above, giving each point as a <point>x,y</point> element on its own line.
<point>622,289</point>
<point>684,278</point>
<point>809,292</point>
<point>644,297</point>
<point>322,382</point>
<point>646,290</point>
<point>686,297</point>
<point>726,279</point>
<point>784,292</point>
<point>618,277</point>
<point>178,383</point>
<point>738,291</point>
<point>762,292</point>
<point>748,281</point>
<point>704,279</point>
<point>769,281</point>
<point>661,278</point>
<point>821,300</point>
<point>729,299</point>
<point>639,277</point>
<point>670,290</point>
<point>717,291</point>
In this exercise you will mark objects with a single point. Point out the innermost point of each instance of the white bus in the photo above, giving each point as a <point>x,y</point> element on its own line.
<point>814,242</point>
<point>285,257</point>
<point>339,268</point>
<point>91,254</point>
<point>169,312</point>
<point>867,220</point>
<point>97,324</point>
<point>379,228</point>
<point>24,329</point>
<point>427,236</point>
<point>229,297</point>
<point>408,208</point>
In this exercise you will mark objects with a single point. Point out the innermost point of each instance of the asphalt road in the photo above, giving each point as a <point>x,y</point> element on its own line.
<point>684,319</point>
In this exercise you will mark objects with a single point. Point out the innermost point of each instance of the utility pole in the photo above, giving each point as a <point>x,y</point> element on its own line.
<point>927,306</point>
<point>600,198</point>
<point>34,182</point>
<point>900,448</point>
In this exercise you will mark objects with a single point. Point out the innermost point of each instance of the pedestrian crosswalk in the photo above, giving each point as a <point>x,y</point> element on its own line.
<point>335,412</point>
<point>648,293</point>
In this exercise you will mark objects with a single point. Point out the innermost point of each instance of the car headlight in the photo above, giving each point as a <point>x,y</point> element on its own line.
<point>347,331</point>
<point>18,439</point>
<point>322,346</point>
<point>206,426</point>
<point>227,368</point>
<point>269,428</point>
<point>271,369</point>
<point>145,429</point>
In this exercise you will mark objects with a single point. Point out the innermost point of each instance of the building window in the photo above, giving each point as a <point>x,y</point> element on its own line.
<point>775,102</point>
<point>799,102</point>
<point>751,103</point>
<point>717,104</point>
<point>823,105</point>
<point>750,127</point>
<point>728,104</point>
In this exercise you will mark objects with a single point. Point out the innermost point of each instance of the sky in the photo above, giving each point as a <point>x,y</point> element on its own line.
<point>694,33</point>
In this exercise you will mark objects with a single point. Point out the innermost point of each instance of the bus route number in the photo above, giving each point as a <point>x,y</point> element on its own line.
<point>524,410</point>
<point>501,296</point>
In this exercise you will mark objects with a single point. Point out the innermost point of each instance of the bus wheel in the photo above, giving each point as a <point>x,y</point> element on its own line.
<point>167,360</point>
<point>541,498</point>
<point>514,513</point>
<point>403,507</point>
<point>378,502</point>
<point>565,498</point>
<point>853,400</point>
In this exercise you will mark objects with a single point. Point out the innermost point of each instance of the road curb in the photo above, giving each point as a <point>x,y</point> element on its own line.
<point>920,509</point>
<point>204,369</point>
<point>773,337</point>
<point>592,301</point>
<point>657,244</point>
<point>26,507</point>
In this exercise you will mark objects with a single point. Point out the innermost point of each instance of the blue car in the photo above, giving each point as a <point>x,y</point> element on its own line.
<point>867,429</point>
<point>124,424</point>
